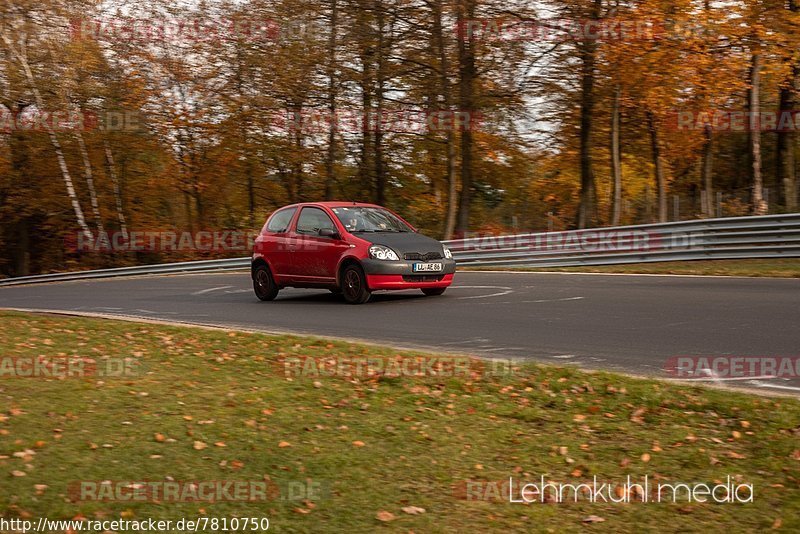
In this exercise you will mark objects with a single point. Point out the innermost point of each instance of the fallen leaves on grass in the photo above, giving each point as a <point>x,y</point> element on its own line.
<point>593,519</point>
<point>199,445</point>
<point>385,516</point>
<point>358,443</point>
<point>284,444</point>
<point>413,510</point>
<point>636,417</point>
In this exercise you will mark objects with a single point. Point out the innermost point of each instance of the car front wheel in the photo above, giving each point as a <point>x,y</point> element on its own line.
<point>263,283</point>
<point>354,285</point>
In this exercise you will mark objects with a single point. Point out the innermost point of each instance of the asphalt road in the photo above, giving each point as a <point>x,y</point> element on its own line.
<point>628,323</point>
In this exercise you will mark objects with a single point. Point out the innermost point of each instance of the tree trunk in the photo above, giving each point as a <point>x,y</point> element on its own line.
<point>366,166</point>
<point>587,211</point>
<point>112,172</point>
<point>444,87</point>
<point>786,170</point>
<point>661,182</point>
<point>466,95</point>
<point>759,207</point>
<point>616,161</point>
<point>380,171</point>
<point>89,176</point>
<point>330,156</point>
<point>708,172</point>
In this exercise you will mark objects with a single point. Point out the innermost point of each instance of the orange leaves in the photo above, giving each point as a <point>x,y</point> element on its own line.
<point>284,444</point>
<point>385,516</point>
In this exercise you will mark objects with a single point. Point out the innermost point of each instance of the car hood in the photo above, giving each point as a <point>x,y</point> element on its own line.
<point>402,243</point>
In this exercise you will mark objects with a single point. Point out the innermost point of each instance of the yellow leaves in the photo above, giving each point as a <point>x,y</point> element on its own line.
<point>736,434</point>
<point>199,445</point>
<point>645,457</point>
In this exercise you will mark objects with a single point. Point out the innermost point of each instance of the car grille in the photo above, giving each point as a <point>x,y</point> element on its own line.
<point>423,278</point>
<point>416,256</point>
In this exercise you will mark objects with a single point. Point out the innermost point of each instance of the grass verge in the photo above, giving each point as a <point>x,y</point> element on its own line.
<point>206,405</point>
<point>788,268</point>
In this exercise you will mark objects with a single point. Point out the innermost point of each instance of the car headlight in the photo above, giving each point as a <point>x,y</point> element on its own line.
<point>447,253</point>
<point>379,252</point>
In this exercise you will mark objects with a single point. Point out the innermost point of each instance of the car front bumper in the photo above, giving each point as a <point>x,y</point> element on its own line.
<point>401,275</point>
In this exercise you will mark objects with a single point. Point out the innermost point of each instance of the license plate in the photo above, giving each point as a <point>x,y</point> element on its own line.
<point>427,267</point>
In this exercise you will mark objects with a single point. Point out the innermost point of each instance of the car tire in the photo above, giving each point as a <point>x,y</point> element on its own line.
<point>354,285</point>
<point>434,291</point>
<point>263,283</point>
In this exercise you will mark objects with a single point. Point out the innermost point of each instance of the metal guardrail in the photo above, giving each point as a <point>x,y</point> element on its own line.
<point>769,236</point>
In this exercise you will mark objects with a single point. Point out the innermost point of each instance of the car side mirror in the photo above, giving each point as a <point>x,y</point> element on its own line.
<point>330,233</point>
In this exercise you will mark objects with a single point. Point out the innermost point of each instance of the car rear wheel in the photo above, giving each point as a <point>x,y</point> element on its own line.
<point>433,291</point>
<point>263,283</point>
<point>354,285</point>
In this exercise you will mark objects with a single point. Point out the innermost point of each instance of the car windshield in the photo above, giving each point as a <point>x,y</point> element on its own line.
<point>362,219</point>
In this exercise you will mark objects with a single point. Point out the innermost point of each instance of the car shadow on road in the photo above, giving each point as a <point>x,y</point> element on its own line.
<point>329,298</point>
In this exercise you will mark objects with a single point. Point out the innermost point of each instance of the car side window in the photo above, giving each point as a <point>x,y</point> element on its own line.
<point>280,220</point>
<point>312,220</point>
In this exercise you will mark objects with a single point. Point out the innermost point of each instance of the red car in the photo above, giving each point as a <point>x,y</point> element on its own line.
<point>348,248</point>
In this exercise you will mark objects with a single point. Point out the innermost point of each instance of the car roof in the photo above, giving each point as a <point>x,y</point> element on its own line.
<point>337,204</point>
